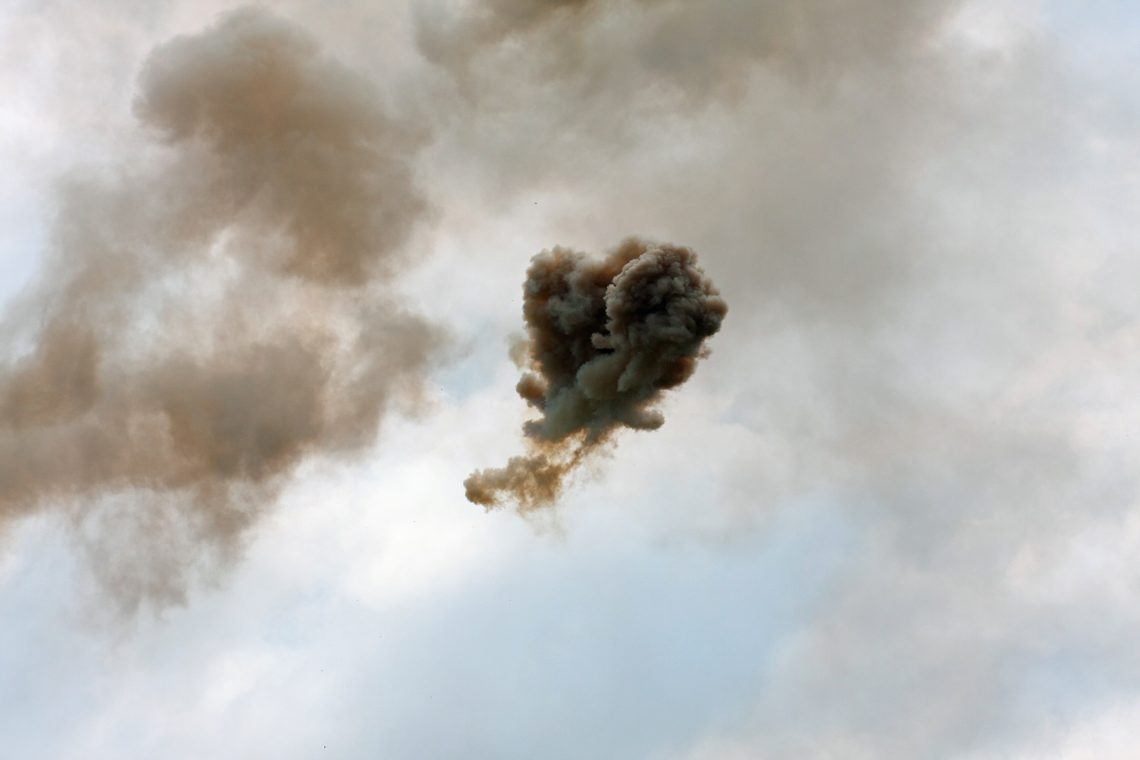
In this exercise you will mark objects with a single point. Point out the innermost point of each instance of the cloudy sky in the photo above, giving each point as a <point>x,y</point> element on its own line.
<point>893,514</point>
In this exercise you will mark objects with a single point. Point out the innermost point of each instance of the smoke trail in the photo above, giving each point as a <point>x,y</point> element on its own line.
<point>216,309</point>
<point>606,338</point>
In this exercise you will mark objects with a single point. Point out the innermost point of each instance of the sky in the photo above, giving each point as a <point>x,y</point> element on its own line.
<point>892,514</point>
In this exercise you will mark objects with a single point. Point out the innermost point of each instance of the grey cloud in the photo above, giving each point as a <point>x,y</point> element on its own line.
<point>918,234</point>
<point>614,47</point>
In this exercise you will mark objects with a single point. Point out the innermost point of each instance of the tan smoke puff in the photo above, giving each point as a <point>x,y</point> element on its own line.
<point>215,310</point>
<point>605,338</point>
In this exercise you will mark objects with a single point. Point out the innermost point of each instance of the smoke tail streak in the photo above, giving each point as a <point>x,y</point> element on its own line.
<point>605,338</point>
<point>532,481</point>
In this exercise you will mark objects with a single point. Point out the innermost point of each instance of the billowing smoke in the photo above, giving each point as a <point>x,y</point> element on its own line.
<point>215,308</point>
<point>606,337</point>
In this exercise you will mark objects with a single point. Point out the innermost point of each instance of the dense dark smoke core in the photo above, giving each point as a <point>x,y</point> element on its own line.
<point>215,309</point>
<point>605,339</point>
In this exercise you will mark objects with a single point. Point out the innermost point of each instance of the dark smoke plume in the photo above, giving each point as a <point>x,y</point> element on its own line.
<point>605,338</point>
<point>216,309</point>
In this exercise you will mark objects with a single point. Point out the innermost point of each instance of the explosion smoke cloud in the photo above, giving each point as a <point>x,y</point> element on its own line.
<point>606,337</point>
<point>217,309</point>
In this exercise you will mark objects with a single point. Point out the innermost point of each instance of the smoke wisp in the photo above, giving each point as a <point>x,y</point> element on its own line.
<point>214,309</point>
<point>606,337</point>
<point>695,50</point>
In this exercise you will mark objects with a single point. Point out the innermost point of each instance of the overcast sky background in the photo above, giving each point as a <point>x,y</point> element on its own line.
<point>894,514</point>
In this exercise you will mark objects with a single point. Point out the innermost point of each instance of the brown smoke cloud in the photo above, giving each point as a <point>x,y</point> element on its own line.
<point>215,308</point>
<point>606,337</point>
